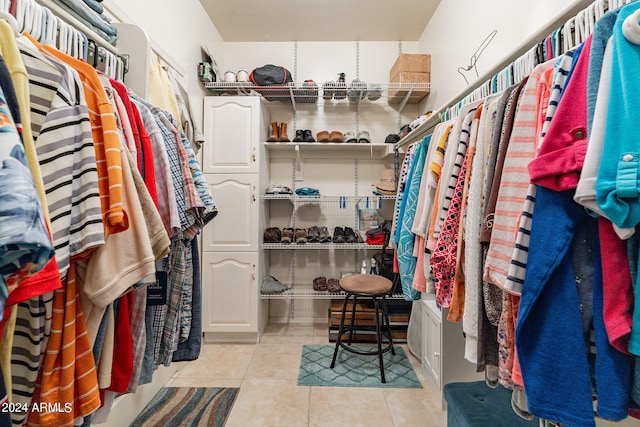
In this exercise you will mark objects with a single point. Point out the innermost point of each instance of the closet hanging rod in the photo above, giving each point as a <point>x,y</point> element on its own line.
<point>568,12</point>
<point>61,13</point>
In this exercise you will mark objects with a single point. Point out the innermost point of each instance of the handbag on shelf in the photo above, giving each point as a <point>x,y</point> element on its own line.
<point>271,75</point>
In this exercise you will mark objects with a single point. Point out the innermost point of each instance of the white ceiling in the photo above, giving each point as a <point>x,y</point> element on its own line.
<point>320,20</point>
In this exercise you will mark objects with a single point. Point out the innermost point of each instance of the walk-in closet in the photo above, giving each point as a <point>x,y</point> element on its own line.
<point>328,213</point>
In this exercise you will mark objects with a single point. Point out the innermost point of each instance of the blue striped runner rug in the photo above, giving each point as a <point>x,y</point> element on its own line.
<point>187,407</point>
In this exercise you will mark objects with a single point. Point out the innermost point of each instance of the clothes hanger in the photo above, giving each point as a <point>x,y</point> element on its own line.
<point>85,46</point>
<point>36,21</point>
<point>11,20</point>
<point>28,16</point>
<point>51,28</point>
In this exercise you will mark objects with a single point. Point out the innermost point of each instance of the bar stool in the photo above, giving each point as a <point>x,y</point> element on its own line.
<point>375,288</point>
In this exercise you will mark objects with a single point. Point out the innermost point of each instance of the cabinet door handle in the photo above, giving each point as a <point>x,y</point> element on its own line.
<point>253,158</point>
<point>436,354</point>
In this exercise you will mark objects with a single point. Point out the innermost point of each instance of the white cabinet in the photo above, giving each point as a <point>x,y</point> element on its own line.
<point>236,226</point>
<point>235,128</point>
<point>443,349</point>
<point>431,349</point>
<point>232,264</point>
<point>230,303</point>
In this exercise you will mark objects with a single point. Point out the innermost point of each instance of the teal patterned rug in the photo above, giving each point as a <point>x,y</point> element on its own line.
<point>355,370</point>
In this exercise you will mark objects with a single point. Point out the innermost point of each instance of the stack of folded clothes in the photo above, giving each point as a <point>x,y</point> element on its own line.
<point>91,13</point>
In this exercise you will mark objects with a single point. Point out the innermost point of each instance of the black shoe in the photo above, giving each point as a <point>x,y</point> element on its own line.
<point>350,235</point>
<point>338,235</point>
<point>299,136</point>
<point>307,136</point>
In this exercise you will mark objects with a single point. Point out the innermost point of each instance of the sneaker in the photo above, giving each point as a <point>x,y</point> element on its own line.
<point>357,90</point>
<point>374,92</point>
<point>328,89</point>
<point>350,235</point>
<point>324,236</point>
<point>271,285</point>
<point>363,137</point>
<point>341,87</point>
<point>313,234</point>
<point>350,137</point>
<point>338,235</point>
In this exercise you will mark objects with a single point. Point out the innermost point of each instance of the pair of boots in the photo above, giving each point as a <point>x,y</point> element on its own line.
<point>278,133</point>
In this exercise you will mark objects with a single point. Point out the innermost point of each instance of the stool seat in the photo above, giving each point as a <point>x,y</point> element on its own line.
<point>366,284</point>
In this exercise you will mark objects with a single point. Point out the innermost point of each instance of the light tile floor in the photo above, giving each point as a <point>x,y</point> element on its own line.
<point>269,395</point>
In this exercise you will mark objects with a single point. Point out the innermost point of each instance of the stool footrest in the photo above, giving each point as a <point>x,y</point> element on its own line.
<point>352,348</point>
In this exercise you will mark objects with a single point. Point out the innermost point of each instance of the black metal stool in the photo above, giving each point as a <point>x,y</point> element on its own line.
<point>375,288</point>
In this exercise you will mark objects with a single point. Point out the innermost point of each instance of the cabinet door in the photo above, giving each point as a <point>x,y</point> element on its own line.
<point>232,129</point>
<point>236,226</point>
<point>431,347</point>
<point>229,292</point>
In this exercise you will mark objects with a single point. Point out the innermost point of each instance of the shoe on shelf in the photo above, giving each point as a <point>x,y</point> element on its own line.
<point>350,235</point>
<point>313,234</point>
<point>323,136</point>
<point>328,88</point>
<point>320,284</point>
<point>374,92</point>
<point>333,285</point>
<point>341,87</point>
<point>299,136</point>
<point>272,235</point>
<point>287,235</point>
<point>278,189</point>
<point>336,136</point>
<point>324,236</point>
<point>350,137</point>
<point>271,285</point>
<point>338,235</point>
<point>301,235</point>
<point>274,132</point>
<point>364,138</point>
<point>357,90</point>
<point>283,133</point>
<point>307,136</point>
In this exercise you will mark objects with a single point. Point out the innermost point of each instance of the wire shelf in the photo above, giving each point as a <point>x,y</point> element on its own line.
<point>318,199</point>
<point>325,246</point>
<point>305,291</point>
<point>299,93</point>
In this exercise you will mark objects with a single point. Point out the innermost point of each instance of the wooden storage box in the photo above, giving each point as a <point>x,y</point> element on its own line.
<point>416,63</point>
<point>409,68</point>
<point>365,316</point>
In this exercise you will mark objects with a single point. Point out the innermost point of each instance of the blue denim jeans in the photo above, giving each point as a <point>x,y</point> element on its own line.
<point>93,4</point>
<point>85,14</point>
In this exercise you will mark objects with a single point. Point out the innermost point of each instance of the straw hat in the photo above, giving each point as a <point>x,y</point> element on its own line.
<point>387,182</point>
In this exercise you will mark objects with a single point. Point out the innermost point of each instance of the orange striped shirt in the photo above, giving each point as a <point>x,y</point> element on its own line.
<point>67,385</point>
<point>104,130</point>
<point>527,128</point>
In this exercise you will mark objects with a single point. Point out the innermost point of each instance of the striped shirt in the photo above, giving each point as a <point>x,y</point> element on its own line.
<point>104,130</point>
<point>514,182</point>
<point>68,372</point>
<point>518,266</point>
<point>66,154</point>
